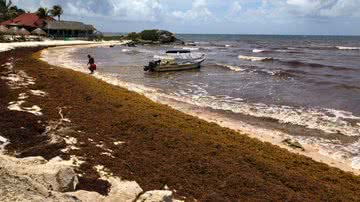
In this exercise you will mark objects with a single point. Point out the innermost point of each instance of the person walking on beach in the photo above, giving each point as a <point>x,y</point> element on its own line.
<point>91,64</point>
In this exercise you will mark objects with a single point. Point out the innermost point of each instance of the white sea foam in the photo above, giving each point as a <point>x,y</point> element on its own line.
<point>258,50</point>
<point>254,59</point>
<point>347,153</point>
<point>347,48</point>
<point>355,163</point>
<point>327,120</point>
<point>125,50</point>
<point>190,48</point>
<point>231,67</point>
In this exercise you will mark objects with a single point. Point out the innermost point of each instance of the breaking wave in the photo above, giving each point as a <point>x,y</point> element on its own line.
<point>287,50</point>
<point>296,63</point>
<point>347,48</point>
<point>256,70</point>
<point>231,67</point>
<point>255,59</point>
<point>327,120</point>
<point>258,51</point>
<point>293,63</point>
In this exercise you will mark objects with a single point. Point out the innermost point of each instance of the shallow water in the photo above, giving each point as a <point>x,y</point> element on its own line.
<point>307,82</point>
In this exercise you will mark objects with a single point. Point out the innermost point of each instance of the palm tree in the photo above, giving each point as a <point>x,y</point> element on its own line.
<point>12,14</point>
<point>42,12</point>
<point>19,11</point>
<point>4,8</point>
<point>57,11</point>
<point>5,5</point>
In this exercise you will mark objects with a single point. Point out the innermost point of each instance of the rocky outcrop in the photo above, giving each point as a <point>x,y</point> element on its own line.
<point>156,196</point>
<point>154,36</point>
<point>166,36</point>
<point>53,175</point>
<point>35,179</point>
<point>124,191</point>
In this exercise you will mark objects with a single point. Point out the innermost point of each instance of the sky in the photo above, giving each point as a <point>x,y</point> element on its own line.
<point>301,17</point>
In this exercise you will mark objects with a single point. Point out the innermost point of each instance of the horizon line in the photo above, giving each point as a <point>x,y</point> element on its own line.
<point>336,35</point>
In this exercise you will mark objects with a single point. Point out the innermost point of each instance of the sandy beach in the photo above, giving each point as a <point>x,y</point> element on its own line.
<point>115,132</point>
<point>253,129</point>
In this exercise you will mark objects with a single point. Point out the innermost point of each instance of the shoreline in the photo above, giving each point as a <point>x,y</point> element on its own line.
<point>137,139</point>
<point>273,136</point>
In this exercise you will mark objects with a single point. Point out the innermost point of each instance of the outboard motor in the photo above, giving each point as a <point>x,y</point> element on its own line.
<point>152,65</point>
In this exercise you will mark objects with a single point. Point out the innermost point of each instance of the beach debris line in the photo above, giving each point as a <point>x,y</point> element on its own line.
<point>18,80</point>
<point>293,144</point>
<point>17,106</point>
<point>3,143</point>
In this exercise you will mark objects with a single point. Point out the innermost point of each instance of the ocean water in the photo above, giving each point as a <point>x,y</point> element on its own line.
<point>307,86</point>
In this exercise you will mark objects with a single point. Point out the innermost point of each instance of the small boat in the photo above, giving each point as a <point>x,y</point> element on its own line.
<point>176,60</point>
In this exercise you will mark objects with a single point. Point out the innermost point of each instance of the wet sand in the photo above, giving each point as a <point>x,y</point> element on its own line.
<point>155,145</point>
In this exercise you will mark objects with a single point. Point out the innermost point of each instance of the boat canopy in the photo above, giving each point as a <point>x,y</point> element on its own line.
<point>178,51</point>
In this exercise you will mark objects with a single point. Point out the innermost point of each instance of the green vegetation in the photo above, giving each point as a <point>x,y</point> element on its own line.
<point>153,36</point>
<point>43,12</point>
<point>8,10</point>
<point>56,11</point>
<point>133,36</point>
<point>112,38</point>
<point>150,35</point>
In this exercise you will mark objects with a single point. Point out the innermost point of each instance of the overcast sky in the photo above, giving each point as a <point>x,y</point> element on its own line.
<point>323,17</point>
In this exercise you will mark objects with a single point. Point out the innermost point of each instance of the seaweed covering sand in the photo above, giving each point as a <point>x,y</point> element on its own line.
<point>155,145</point>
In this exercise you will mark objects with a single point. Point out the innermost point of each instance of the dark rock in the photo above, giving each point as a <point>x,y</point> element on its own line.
<point>154,37</point>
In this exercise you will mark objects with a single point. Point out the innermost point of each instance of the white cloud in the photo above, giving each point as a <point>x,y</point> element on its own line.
<point>234,11</point>
<point>202,15</point>
<point>198,12</point>
<point>343,8</point>
<point>122,10</point>
<point>235,8</point>
<point>323,8</point>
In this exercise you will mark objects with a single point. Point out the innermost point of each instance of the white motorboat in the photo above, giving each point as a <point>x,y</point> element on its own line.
<point>176,60</point>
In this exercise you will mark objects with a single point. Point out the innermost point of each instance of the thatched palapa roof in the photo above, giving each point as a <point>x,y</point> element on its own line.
<point>23,31</point>
<point>13,30</point>
<point>68,25</point>
<point>38,32</point>
<point>3,29</point>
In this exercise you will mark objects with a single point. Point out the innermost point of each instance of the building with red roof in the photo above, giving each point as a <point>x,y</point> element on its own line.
<point>56,29</point>
<point>28,20</point>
